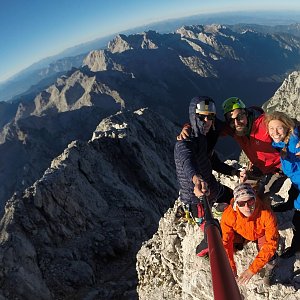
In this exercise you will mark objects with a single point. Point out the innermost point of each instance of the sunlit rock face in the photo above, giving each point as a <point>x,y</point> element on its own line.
<point>287,97</point>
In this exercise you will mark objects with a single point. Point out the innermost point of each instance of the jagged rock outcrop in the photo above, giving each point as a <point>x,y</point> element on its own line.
<point>38,75</point>
<point>169,269</point>
<point>287,97</point>
<point>74,92</point>
<point>99,60</point>
<point>218,37</point>
<point>75,233</point>
<point>41,129</point>
<point>71,93</point>
<point>28,145</point>
<point>145,40</point>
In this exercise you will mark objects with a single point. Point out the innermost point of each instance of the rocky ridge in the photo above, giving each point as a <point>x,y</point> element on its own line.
<point>28,145</point>
<point>287,97</point>
<point>41,129</point>
<point>75,233</point>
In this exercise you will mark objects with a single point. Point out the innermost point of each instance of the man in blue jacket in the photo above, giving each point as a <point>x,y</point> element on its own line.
<point>195,159</point>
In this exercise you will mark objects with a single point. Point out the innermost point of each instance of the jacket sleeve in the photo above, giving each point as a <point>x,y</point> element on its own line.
<point>185,157</point>
<point>220,166</point>
<point>228,237</point>
<point>295,140</point>
<point>269,247</point>
<point>227,130</point>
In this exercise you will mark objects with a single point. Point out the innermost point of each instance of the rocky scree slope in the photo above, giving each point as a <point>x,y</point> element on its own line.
<point>168,267</point>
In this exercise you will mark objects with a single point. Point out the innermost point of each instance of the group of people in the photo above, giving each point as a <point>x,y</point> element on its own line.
<point>271,142</point>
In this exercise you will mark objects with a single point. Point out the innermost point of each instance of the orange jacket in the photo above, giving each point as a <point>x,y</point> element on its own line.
<point>261,223</point>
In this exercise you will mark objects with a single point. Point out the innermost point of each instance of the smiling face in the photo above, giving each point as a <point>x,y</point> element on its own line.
<point>237,119</point>
<point>277,130</point>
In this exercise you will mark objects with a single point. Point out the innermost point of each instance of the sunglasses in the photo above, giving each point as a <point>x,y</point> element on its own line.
<point>207,117</point>
<point>239,117</point>
<point>249,202</point>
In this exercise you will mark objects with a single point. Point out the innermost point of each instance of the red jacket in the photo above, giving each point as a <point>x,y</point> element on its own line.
<point>261,223</point>
<point>258,146</point>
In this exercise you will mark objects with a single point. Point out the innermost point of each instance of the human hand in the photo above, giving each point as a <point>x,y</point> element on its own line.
<point>243,175</point>
<point>201,186</point>
<point>185,133</point>
<point>245,277</point>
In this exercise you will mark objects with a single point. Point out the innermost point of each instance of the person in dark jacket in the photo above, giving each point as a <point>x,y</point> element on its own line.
<point>195,159</point>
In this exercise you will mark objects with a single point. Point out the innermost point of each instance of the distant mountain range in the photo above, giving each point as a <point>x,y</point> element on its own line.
<point>159,71</point>
<point>37,76</point>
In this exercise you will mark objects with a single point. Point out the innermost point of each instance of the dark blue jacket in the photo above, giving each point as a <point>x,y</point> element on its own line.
<point>196,156</point>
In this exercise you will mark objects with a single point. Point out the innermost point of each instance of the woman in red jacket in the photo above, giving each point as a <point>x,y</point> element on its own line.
<point>249,219</point>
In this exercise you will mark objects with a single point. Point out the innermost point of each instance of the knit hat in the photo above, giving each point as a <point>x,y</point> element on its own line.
<point>243,190</point>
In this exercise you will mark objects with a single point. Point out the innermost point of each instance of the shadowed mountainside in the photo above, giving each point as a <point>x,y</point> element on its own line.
<point>76,231</point>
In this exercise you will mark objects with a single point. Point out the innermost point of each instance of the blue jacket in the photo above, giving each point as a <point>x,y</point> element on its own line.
<point>196,156</point>
<point>291,163</point>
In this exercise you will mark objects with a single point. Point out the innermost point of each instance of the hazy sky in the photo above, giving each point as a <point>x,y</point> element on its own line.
<point>34,29</point>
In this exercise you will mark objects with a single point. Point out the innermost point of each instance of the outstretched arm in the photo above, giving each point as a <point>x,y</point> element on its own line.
<point>269,247</point>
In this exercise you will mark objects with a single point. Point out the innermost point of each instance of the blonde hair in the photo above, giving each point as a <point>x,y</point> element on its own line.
<point>287,122</point>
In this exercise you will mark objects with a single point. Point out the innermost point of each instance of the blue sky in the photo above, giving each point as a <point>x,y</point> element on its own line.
<point>34,29</point>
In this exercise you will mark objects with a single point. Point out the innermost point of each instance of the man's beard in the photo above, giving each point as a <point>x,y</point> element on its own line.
<point>241,131</point>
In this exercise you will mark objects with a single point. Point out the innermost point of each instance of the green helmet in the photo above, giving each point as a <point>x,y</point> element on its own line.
<point>232,103</point>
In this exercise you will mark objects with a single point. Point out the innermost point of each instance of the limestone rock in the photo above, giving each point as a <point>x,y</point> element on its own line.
<point>100,60</point>
<point>287,97</point>
<point>168,267</point>
<point>145,40</point>
<point>76,231</point>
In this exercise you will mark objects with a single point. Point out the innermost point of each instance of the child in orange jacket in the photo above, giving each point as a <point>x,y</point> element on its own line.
<point>249,218</point>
